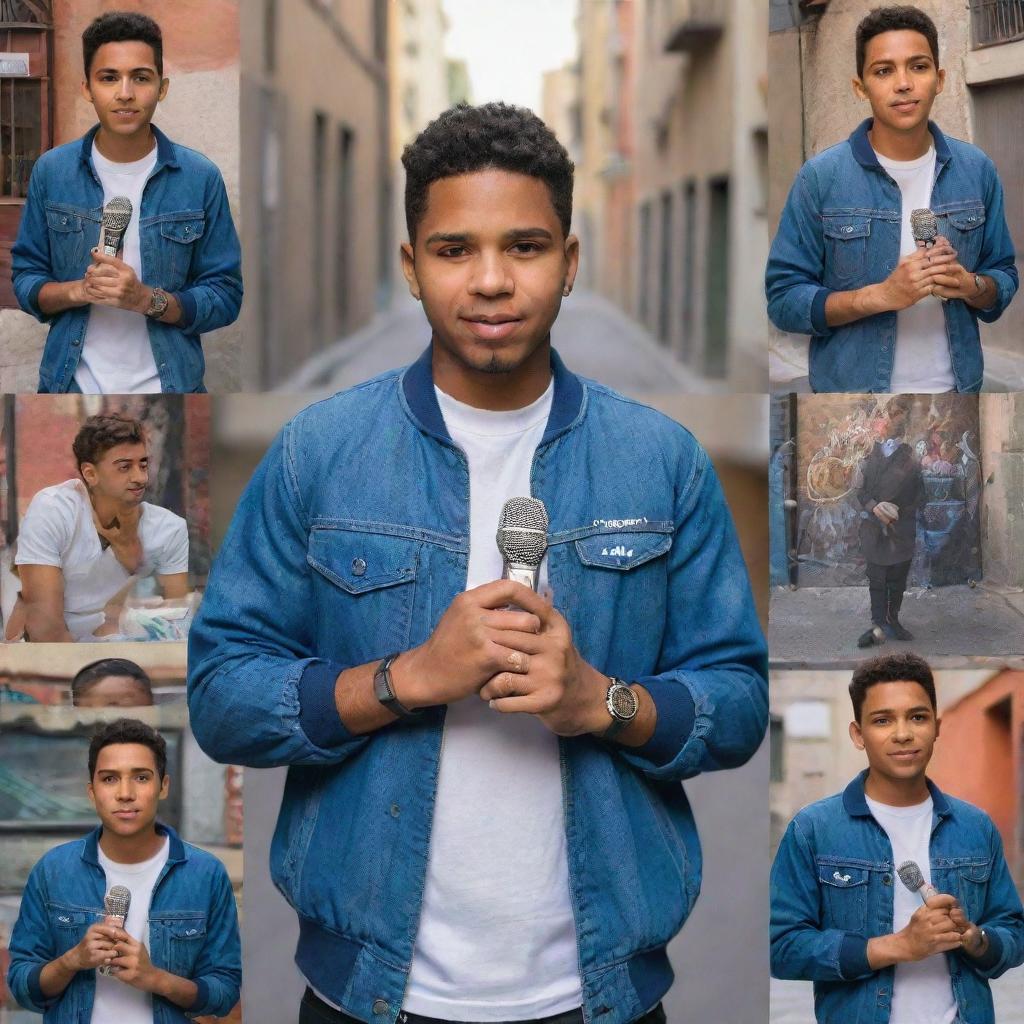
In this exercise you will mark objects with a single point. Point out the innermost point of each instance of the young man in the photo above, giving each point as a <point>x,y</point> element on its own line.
<point>890,492</point>
<point>887,313</point>
<point>131,322</point>
<point>111,683</point>
<point>83,543</point>
<point>535,863</point>
<point>842,918</point>
<point>178,948</point>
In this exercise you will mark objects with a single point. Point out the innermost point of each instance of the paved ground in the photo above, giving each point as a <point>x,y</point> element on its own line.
<point>817,627</point>
<point>593,336</point>
<point>792,1002</point>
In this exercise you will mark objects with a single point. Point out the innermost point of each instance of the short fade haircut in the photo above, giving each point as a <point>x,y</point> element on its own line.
<point>122,27</point>
<point>493,136</point>
<point>129,730</point>
<point>98,434</point>
<point>898,18</point>
<point>89,675</point>
<point>891,668</point>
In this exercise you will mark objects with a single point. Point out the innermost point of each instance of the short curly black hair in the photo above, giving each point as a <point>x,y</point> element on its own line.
<point>89,675</point>
<point>98,434</point>
<point>891,668</point>
<point>129,730</point>
<point>494,135</point>
<point>122,27</point>
<point>894,19</point>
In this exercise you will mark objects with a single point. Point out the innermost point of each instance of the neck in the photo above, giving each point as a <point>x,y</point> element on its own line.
<point>896,792</point>
<point>498,391</point>
<point>896,145</point>
<point>106,509</point>
<point>124,149</point>
<point>131,849</point>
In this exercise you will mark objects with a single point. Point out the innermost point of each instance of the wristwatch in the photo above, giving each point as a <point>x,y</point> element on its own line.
<point>979,286</point>
<point>384,692</point>
<point>622,704</point>
<point>157,304</point>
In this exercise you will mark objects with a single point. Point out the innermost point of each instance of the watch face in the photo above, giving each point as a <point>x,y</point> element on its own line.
<point>623,701</point>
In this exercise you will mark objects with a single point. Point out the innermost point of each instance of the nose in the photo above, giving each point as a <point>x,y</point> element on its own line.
<point>491,276</point>
<point>902,80</point>
<point>126,790</point>
<point>125,88</point>
<point>903,731</point>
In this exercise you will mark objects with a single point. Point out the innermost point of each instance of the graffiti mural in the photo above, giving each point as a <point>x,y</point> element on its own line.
<point>834,433</point>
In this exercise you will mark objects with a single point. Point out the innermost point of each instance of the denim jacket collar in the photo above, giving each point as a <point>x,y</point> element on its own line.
<point>164,150</point>
<point>175,854</point>
<point>567,405</point>
<point>865,154</point>
<point>856,804</point>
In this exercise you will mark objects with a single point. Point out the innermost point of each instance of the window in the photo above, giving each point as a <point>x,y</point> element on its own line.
<point>343,227</point>
<point>665,272</point>
<point>716,300</point>
<point>996,21</point>
<point>26,122</point>
<point>319,233</point>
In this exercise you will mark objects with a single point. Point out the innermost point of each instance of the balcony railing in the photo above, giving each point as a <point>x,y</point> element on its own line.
<point>996,21</point>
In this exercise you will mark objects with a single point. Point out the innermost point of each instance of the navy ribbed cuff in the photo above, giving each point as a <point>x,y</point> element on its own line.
<point>676,715</point>
<point>318,712</point>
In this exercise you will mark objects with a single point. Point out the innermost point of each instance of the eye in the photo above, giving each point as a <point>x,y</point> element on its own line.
<point>452,251</point>
<point>526,248</point>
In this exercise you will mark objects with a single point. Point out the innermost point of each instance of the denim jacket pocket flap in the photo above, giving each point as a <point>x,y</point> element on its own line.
<point>976,869</point>
<point>842,876</point>
<point>62,917</point>
<point>846,227</point>
<point>184,230</point>
<point>359,562</point>
<point>63,221</point>
<point>968,220</point>
<point>622,550</point>
<point>187,929</point>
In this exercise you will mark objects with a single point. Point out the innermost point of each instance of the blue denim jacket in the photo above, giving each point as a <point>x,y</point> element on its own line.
<point>350,542</point>
<point>832,890</point>
<point>840,230</point>
<point>189,248</point>
<point>193,930</point>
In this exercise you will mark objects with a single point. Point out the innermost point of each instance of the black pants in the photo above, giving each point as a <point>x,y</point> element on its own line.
<point>315,1011</point>
<point>886,584</point>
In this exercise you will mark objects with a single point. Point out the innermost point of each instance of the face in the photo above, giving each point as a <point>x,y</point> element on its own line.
<point>124,87</point>
<point>121,474</point>
<point>114,692</point>
<point>895,424</point>
<point>126,789</point>
<point>897,730</point>
<point>900,79</point>
<point>490,266</point>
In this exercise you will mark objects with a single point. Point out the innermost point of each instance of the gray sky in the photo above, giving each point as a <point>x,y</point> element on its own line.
<point>507,44</point>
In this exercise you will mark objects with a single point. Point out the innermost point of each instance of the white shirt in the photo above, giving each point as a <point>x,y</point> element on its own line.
<point>922,992</point>
<point>496,939</point>
<point>922,364</point>
<point>58,530</point>
<point>116,1002</point>
<point>117,358</point>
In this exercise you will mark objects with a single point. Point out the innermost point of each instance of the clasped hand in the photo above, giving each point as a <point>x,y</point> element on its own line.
<point>109,281</point>
<point>928,271</point>
<point>110,944</point>
<point>940,925</point>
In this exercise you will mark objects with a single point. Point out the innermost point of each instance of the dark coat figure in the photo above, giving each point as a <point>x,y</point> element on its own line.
<point>896,479</point>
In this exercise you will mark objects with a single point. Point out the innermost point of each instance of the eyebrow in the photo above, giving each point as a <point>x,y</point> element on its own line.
<point>117,71</point>
<point>892,60</point>
<point>514,235</point>
<point>892,711</point>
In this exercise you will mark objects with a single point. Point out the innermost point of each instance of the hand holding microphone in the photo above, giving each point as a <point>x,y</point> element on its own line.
<point>109,281</point>
<point>932,928</point>
<point>115,905</point>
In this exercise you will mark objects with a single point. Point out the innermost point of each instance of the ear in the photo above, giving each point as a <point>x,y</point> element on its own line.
<point>165,787</point>
<point>942,81</point>
<point>165,84</point>
<point>938,727</point>
<point>858,89</point>
<point>409,269</point>
<point>89,474</point>
<point>91,793</point>
<point>856,736</point>
<point>86,91</point>
<point>572,262</point>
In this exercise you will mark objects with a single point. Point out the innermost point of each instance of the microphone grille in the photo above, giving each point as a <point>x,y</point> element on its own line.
<point>117,901</point>
<point>116,214</point>
<point>523,531</point>
<point>923,225</point>
<point>910,875</point>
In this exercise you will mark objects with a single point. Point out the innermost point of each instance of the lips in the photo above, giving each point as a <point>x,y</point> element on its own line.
<point>905,105</point>
<point>492,328</point>
<point>901,756</point>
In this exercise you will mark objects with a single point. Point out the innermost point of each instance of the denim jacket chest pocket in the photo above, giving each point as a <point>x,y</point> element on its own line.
<point>69,925</point>
<point>966,878</point>
<point>178,234</point>
<point>177,941</point>
<point>364,587</point>
<point>844,892</point>
<point>847,237</point>
<point>965,229</point>
<point>72,233</point>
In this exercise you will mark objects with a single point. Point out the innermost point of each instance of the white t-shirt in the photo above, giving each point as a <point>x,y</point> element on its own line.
<point>116,1002</point>
<point>117,358</point>
<point>58,530</point>
<point>922,992</point>
<point>922,364</point>
<point>496,939</point>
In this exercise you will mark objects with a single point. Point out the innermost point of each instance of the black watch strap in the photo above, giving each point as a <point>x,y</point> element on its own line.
<point>384,692</point>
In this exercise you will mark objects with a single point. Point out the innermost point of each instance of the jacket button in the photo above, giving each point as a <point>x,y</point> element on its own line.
<point>358,567</point>
<point>380,1006</point>
<point>76,341</point>
<point>395,810</point>
<point>886,879</point>
<point>63,220</point>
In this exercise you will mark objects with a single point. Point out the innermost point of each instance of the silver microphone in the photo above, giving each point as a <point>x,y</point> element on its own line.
<point>925,229</point>
<point>116,216</point>
<point>523,539</point>
<point>115,904</point>
<point>911,876</point>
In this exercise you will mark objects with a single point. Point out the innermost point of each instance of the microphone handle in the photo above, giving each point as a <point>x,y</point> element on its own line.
<point>926,892</point>
<point>528,575</point>
<point>108,969</point>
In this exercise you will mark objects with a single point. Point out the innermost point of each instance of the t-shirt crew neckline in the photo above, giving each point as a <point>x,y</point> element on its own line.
<point>132,167</point>
<point>462,418</point>
<point>907,165</point>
